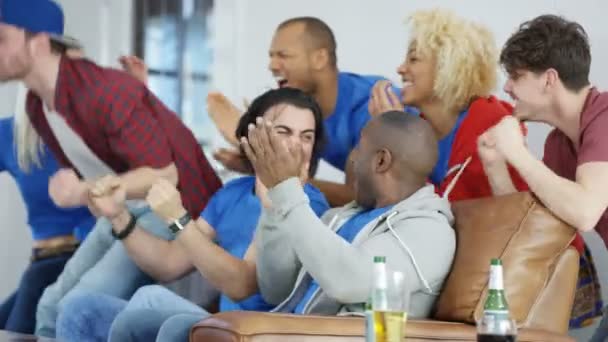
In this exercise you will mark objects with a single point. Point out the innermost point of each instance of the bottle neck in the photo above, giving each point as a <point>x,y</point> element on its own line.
<point>380,278</point>
<point>496,280</point>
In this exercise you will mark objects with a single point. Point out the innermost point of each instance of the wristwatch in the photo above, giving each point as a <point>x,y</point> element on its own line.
<point>179,224</point>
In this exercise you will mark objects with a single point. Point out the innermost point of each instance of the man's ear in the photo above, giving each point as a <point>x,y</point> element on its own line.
<point>551,78</point>
<point>37,43</point>
<point>319,59</point>
<point>383,160</point>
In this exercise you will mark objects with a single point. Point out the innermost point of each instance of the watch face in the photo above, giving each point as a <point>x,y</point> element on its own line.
<point>175,227</point>
<point>179,224</point>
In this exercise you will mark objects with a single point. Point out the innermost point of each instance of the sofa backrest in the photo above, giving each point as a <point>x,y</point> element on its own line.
<point>531,242</point>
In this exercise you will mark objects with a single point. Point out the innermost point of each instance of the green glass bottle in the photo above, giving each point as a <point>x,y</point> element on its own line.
<point>378,300</point>
<point>496,301</point>
<point>496,325</point>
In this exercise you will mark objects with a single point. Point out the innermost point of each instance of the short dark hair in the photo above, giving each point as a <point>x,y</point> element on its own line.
<point>411,138</point>
<point>550,41</point>
<point>319,33</point>
<point>289,96</point>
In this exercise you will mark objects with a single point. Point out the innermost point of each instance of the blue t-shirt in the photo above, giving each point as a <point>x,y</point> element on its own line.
<point>343,127</point>
<point>348,232</point>
<point>45,219</point>
<point>445,150</point>
<point>233,212</point>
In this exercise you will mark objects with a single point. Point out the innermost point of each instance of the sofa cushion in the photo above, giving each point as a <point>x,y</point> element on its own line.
<point>515,228</point>
<point>235,326</point>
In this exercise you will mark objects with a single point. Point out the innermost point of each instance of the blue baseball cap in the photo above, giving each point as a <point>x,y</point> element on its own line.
<point>37,16</point>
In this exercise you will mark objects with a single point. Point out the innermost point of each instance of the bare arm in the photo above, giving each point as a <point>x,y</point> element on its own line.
<point>494,166</point>
<point>234,277</point>
<point>337,194</point>
<point>581,203</point>
<point>67,190</point>
<point>499,178</point>
<point>163,260</point>
<point>139,181</point>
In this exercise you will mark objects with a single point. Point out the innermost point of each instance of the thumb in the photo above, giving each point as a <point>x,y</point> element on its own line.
<point>304,173</point>
<point>113,184</point>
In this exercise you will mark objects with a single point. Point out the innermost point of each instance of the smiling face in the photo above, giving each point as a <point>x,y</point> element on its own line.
<point>418,76</point>
<point>530,93</point>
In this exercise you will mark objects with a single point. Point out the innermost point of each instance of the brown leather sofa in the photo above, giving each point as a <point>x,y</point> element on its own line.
<point>540,280</point>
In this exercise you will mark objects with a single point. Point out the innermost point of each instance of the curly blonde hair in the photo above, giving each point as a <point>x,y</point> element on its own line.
<point>465,52</point>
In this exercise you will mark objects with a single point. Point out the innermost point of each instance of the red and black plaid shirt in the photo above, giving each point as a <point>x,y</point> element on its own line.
<point>126,126</point>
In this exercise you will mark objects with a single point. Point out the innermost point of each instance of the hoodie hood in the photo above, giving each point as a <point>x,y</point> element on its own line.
<point>425,202</point>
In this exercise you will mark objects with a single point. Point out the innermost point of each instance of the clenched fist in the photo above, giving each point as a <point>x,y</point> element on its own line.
<point>67,190</point>
<point>488,153</point>
<point>165,201</point>
<point>508,137</point>
<point>107,197</point>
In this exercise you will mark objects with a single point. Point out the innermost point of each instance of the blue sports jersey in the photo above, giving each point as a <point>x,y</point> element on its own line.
<point>445,150</point>
<point>233,212</point>
<point>45,219</point>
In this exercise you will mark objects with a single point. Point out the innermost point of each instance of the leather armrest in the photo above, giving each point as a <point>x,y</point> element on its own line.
<point>266,327</point>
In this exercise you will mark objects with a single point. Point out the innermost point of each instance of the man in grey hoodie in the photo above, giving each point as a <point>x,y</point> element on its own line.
<point>323,266</point>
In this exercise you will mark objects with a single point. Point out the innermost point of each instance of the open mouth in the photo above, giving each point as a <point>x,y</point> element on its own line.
<point>407,84</point>
<point>281,81</point>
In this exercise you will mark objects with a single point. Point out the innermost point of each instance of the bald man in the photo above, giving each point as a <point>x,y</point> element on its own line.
<point>307,265</point>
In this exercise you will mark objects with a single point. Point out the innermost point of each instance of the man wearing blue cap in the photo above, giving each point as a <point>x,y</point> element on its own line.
<point>97,121</point>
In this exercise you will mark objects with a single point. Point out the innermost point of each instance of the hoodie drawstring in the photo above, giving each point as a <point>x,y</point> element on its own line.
<point>425,283</point>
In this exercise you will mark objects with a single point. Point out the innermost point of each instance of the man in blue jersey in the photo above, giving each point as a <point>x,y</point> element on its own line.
<point>218,244</point>
<point>303,55</point>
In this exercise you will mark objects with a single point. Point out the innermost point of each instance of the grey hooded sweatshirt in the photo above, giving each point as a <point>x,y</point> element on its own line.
<point>294,245</point>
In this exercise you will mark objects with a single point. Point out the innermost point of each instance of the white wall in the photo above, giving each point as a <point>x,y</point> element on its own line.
<point>14,246</point>
<point>372,39</point>
<point>104,27</point>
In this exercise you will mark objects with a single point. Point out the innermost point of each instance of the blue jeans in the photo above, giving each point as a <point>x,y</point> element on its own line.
<point>18,312</point>
<point>101,264</point>
<point>87,316</point>
<point>156,314</point>
<point>153,313</point>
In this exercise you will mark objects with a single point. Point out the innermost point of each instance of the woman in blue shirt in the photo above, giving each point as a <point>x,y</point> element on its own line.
<point>218,244</point>
<point>56,232</point>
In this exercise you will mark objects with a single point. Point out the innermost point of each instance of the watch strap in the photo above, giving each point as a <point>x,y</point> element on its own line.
<point>179,224</point>
<point>127,230</point>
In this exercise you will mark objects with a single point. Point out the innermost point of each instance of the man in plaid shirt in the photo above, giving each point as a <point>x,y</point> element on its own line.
<point>97,121</point>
